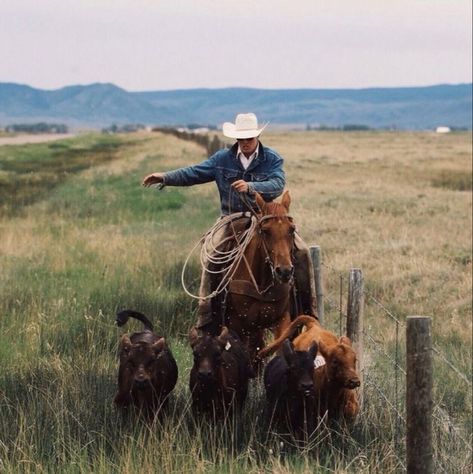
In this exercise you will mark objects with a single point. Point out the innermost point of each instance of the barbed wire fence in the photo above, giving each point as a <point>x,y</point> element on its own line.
<point>209,140</point>
<point>383,368</point>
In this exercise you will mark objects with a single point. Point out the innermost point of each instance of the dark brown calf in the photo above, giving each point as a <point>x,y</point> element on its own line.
<point>220,374</point>
<point>148,371</point>
<point>290,393</point>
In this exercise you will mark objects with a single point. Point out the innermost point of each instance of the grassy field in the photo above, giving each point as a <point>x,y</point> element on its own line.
<point>80,238</point>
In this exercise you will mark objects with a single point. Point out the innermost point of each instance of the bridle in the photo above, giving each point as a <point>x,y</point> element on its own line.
<point>231,259</point>
<point>263,240</point>
<point>260,219</point>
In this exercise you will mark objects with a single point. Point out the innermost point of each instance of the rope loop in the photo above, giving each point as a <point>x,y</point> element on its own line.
<point>226,261</point>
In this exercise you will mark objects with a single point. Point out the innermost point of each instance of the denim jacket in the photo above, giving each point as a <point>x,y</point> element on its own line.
<point>264,175</point>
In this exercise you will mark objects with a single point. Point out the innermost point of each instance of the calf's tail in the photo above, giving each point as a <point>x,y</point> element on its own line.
<point>288,333</point>
<point>123,316</point>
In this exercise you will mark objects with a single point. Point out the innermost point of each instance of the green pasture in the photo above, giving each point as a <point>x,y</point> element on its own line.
<point>81,239</point>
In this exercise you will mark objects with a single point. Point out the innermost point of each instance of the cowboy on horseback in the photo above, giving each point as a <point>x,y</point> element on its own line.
<point>248,167</point>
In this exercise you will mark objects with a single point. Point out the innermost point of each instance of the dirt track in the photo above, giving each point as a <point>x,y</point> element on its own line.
<point>36,138</point>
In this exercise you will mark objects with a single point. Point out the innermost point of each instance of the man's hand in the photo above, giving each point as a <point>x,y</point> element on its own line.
<point>154,178</point>
<point>240,186</point>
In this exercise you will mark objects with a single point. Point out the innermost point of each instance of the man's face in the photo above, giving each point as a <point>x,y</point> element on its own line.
<point>248,145</point>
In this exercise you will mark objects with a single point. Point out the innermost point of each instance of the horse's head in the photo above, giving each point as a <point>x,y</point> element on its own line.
<point>277,235</point>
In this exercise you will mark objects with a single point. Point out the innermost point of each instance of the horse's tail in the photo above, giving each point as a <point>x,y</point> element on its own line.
<point>123,316</point>
<point>288,333</point>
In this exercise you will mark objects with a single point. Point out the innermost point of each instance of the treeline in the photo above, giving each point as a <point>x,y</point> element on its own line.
<point>211,144</point>
<point>345,128</point>
<point>40,127</point>
<point>127,128</point>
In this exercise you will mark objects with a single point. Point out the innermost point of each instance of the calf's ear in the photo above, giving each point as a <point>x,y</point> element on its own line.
<point>323,349</point>
<point>288,351</point>
<point>193,337</point>
<point>345,340</point>
<point>313,349</point>
<point>125,343</point>
<point>158,346</point>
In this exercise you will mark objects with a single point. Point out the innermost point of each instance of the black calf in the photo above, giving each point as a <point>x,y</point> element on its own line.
<point>288,379</point>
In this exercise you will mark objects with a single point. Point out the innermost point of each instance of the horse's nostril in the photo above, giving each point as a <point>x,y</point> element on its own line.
<point>284,273</point>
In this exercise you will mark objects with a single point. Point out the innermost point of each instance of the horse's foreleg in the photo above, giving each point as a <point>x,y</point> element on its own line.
<point>256,343</point>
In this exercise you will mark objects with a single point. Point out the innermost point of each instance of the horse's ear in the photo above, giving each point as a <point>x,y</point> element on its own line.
<point>286,200</point>
<point>260,202</point>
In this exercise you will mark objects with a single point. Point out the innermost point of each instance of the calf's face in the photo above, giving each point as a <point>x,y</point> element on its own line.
<point>207,351</point>
<point>301,368</point>
<point>341,363</point>
<point>140,361</point>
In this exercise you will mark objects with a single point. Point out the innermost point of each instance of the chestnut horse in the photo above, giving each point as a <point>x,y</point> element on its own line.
<point>259,291</point>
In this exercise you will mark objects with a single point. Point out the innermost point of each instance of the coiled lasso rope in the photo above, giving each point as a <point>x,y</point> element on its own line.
<point>227,261</point>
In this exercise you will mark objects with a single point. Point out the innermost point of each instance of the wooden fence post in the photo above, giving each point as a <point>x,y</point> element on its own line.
<point>355,317</point>
<point>316,256</point>
<point>419,395</point>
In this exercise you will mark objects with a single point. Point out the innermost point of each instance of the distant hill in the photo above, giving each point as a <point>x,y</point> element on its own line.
<point>98,105</point>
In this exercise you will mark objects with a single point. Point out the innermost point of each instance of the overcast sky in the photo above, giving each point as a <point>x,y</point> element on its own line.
<point>173,44</point>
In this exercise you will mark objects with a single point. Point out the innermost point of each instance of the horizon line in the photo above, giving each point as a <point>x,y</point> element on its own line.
<point>239,87</point>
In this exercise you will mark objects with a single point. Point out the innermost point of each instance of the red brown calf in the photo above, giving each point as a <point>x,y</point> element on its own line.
<point>335,376</point>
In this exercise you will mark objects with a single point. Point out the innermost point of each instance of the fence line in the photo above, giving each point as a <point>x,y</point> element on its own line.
<point>457,371</point>
<point>434,349</point>
<point>385,398</point>
<point>398,321</point>
<point>451,427</point>
<point>386,310</point>
<point>440,415</point>
<point>333,304</point>
<point>380,349</point>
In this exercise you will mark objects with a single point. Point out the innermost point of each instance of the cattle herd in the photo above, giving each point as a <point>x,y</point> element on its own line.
<point>311,378</point>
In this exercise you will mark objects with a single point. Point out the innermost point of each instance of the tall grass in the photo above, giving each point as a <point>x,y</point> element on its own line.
<point>97,241</point>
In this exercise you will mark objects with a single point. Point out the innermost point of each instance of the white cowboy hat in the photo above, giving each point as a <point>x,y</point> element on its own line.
<point>245,126</point>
